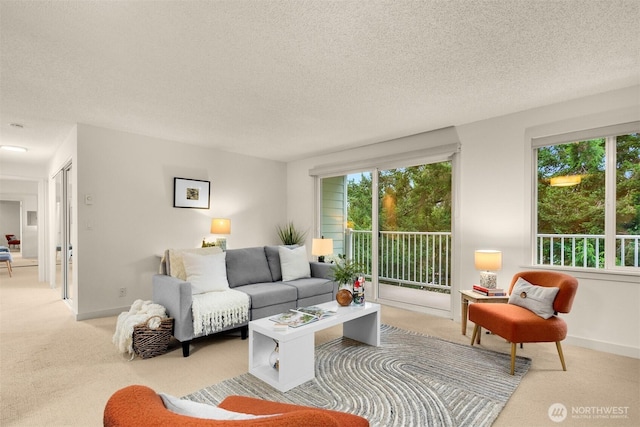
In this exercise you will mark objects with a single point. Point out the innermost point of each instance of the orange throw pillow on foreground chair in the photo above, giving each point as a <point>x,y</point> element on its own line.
<point>518,324</point>
<point>139,405</point>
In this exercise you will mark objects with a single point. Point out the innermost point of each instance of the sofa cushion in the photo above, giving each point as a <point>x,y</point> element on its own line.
<point>173,264</point>
<point>269,293</point>
<point>247,266</point>
<point>206,273</point>
<point>294,263</point>
<point>273,258</point>
<point>311,286</point>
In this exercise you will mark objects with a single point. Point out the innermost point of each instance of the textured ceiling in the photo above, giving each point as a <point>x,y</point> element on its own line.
<point>288,79</point>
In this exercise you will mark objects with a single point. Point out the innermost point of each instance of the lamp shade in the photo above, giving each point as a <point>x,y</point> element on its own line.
<point>488,260</point>
<point>220,226</point>
<point>321,247</point>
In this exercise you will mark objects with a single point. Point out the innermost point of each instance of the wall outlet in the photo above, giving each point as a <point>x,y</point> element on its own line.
<point>122,292</point>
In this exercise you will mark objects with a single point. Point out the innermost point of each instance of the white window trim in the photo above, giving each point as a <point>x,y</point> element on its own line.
<point>608,132</point>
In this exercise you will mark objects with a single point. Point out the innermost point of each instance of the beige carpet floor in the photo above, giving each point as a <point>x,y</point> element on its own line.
<point>55,371</point>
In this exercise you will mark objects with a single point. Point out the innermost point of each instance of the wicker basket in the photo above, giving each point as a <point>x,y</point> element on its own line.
<point>148,342</point>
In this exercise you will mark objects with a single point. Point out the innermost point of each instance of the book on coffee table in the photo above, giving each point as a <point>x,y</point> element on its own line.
<point>297,317</point>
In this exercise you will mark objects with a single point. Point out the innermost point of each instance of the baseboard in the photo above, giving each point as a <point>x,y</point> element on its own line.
<point>101,313</point>
<point>607,347</point>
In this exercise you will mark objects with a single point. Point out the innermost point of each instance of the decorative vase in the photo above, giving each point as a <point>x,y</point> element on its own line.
<point>358,291</point>
<point>274,357</point>
<point>344,296</point>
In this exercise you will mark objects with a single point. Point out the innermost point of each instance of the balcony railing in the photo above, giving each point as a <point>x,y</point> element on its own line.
<point>415,259</point>
<point>585,250</point>
<point>423,260</point>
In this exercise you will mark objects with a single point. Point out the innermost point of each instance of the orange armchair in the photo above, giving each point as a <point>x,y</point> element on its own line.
<point>138,405</point>
<point>519,325</point>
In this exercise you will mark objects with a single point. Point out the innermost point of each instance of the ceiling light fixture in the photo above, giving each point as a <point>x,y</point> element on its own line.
<point>565,180</point>
<point>13,148</point>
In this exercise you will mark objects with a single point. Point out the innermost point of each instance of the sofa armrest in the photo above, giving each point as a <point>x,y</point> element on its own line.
<point>175,295</point>
<point>321,269</point>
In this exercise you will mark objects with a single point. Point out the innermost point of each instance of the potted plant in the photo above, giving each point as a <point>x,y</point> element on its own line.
<point>345,272</point>
<point>290,235</point>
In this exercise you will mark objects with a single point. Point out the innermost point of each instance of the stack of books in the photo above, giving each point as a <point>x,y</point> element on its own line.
<point>490,292</point>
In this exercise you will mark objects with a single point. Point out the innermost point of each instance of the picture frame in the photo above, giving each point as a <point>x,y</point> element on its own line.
<point>191,193</point>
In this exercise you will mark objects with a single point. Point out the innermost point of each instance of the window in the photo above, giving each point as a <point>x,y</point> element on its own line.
<point>588,200</point>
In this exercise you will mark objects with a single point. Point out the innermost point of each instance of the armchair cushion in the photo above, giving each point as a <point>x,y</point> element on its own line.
<point>538,299</point>
<point>202,410</point>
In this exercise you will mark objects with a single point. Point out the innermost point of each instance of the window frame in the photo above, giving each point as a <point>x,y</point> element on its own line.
<point>609,133</point>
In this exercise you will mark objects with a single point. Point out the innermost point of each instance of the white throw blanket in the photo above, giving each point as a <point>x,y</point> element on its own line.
<point>139,312</point>
<point>214,311</point>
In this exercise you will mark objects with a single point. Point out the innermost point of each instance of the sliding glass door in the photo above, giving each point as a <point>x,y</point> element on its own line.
<point>407,260</point>
<point>414,235</point>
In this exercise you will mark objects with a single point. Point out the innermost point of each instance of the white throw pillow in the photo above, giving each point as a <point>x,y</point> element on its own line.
<point>206,272</point>
<point>294,263</point>
<point>202,410</point>
<point>538,299</point>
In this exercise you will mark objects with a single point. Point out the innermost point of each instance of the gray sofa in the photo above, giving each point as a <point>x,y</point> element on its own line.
<point>254,271</point>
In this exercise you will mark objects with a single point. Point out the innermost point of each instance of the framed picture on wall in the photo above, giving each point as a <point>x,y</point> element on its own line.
<point>191,193</point>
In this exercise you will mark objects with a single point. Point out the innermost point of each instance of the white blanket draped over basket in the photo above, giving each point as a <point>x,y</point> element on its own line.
<point>139,312</point>
<point>214,311</point>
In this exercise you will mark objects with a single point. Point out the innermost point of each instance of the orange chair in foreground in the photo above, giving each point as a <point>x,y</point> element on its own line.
<point>138,405</point>
<point>518,324</point>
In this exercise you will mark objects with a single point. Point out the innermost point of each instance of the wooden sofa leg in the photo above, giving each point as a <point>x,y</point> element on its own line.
<point>185,348</point>
<point>513,357</point>
<point>559,347</point>
<point>244,332</point>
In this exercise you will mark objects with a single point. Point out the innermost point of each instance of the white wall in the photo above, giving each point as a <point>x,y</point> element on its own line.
<point>495,209</point>
<point>132,219</point>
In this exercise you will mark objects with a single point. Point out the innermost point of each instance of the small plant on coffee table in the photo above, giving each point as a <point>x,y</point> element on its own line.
<point>345,272</point>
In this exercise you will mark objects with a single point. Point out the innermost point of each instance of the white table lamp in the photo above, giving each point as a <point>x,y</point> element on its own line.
<point>221,226</point>
<point>321,247</point>
<point>488,261</point>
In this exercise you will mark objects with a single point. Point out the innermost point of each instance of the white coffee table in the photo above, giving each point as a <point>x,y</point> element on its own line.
<point>297,345</point>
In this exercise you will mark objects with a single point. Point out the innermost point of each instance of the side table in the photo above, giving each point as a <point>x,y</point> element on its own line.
<point>470,296</point>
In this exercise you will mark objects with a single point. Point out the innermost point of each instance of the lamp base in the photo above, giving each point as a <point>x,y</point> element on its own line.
<point>488,279</point>
<point>321,258</point>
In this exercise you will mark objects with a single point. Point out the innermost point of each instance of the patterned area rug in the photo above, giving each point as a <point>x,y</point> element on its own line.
<point>410,380</point>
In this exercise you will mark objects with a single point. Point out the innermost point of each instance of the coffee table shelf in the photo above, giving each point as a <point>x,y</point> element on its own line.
<point>297,345</point>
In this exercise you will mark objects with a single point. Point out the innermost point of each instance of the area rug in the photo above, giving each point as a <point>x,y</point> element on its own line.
<point>410,380</point>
